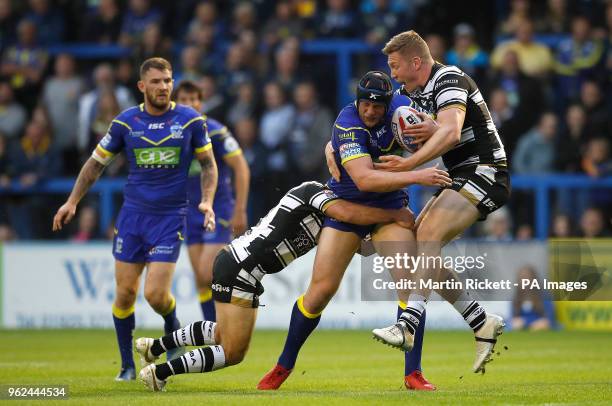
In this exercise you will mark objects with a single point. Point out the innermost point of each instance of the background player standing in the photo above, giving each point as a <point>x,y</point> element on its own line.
<point>160,139</point>
<point>230,213</point>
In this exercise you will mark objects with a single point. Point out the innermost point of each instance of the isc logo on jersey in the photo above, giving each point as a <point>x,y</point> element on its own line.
<point>158,157</point>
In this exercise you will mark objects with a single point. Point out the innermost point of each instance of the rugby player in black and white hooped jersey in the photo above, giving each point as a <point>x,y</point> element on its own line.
<point>467,140</point>
<point>288,231</point>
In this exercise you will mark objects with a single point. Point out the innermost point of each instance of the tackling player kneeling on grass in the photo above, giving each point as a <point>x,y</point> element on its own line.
<point>160,139</point>
<point>288,231</point>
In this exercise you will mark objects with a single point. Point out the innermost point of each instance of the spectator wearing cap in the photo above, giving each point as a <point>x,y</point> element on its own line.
<point>466,54</point>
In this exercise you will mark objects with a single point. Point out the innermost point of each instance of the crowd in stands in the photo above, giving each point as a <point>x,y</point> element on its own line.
<point>545,68</point>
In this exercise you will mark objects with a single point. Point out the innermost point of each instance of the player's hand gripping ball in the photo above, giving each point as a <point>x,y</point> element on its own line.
<point>404,116</point>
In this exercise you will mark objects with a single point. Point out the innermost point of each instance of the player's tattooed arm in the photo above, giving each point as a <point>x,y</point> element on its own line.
<point>90,172</point>
<point>208,180</point>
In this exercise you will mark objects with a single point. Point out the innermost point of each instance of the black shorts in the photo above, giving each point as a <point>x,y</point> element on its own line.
<point>486,187</point>
<point>236,283</point>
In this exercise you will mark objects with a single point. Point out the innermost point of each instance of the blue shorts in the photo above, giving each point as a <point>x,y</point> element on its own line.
<point>362,231</point>
<point>142,238</point>
<point>195,225</point>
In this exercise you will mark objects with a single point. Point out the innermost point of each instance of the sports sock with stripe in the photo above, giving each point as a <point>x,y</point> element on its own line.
<point>473,313</point>
<point>412,359</point>
<point>125,322</point>
<point>195,334</point>
<point>414,310</point>
<point>301,325</point>
<point>197,361</point>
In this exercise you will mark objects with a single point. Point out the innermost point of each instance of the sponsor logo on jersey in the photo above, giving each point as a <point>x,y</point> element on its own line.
<point>156,126</point>
<point>158,157</point>
<point>348,135</point>
<point>349,149</point>
<point>446,82</point>
<point>177,131</point>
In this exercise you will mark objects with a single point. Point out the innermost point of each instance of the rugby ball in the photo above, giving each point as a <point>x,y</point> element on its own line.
<point>404,116</point>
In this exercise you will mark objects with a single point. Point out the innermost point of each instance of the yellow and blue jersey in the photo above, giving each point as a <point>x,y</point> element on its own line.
<point>224,145</point>
<point>351,139</point>
<point>159,151</point>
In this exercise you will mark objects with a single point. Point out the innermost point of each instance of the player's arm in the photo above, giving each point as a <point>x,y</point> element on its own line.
<point>230,151</point>
<point>101,157</point>
<point>90,172</point>
<point>208,183</point>
<point>242,176</point>
<point>368,179</point>
<point>450,121</point>
<point>359,214</point>
<point>451,102</point>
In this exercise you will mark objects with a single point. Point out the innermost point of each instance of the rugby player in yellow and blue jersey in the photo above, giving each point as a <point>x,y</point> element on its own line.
<point>160,139</point>
<point>360,135</point>
<point>229,208</point>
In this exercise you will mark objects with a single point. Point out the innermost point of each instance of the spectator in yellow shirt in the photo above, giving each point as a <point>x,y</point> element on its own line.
<point>534,59</point>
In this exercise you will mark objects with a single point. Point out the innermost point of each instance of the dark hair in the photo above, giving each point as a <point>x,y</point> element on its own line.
<point>154,63</point>
<point>187,86</point>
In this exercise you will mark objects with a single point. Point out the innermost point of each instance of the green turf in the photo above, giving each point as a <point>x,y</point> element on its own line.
<point>336,367</point>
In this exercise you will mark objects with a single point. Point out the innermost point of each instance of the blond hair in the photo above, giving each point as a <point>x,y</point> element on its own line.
<point>408,43</point>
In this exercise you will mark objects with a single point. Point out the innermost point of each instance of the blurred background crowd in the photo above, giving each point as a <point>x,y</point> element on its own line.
<point>545,68</point>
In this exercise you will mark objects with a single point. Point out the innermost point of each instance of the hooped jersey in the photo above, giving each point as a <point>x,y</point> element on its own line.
<point>159,151</point>
<point>287,232</point>
<point>480,143</point>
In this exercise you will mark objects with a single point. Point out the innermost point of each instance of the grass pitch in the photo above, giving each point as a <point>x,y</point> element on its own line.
<point>335,367</point>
